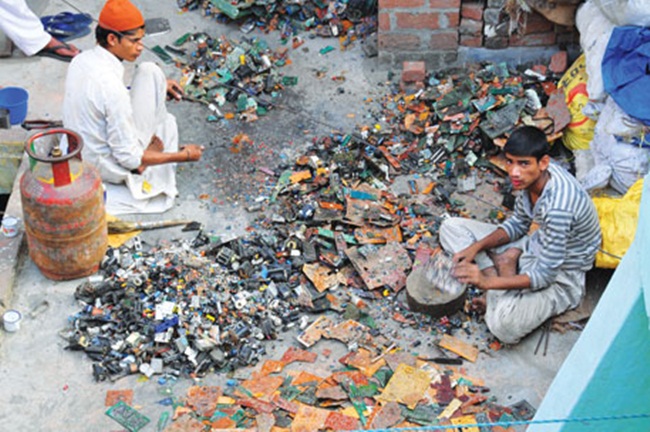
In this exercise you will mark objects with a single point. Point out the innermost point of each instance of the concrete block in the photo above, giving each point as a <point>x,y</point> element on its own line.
<point>12,143</point>
<point>413,71</point>
<point>537,39</point>
<point>445,40</point>
<point>398,42</point>
<point>433,59</point>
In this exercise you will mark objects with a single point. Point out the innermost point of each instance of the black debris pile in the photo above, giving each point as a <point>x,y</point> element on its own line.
<point>232,78</point>
<point>344,224</point>
<point>346,20</point>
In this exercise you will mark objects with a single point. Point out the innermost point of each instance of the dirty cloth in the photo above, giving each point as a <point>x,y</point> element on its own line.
<point>22,26</point>
<point>116,123</point>
<point>555,256</point>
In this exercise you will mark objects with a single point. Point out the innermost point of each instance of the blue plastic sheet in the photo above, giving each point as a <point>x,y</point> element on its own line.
<point>626,70</point>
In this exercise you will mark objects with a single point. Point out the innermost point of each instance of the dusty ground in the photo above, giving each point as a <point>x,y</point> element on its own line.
<point>48,388</point>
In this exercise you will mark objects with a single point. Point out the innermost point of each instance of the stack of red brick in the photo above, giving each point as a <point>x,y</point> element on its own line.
<point>439,27</point>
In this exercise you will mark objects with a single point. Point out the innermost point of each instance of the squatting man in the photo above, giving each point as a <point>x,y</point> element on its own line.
<point>126,129</point>
<point>532,266</point>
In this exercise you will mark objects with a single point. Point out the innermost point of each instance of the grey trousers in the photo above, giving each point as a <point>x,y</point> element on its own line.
<point>512,314</point>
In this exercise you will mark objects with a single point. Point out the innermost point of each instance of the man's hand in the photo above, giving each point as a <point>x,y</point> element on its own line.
<point>156,144</point>
<point>469,273</point>
<point>174,90</point>
<point>192,151</point>
<point>467,255</point>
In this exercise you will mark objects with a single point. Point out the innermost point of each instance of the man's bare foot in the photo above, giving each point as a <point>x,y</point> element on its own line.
<point>156,144</point>
<point>506,262</point>
<point>59,50</point>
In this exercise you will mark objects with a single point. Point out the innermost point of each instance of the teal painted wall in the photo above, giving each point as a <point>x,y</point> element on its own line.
<point>621,383</point>
<point>607,373</point>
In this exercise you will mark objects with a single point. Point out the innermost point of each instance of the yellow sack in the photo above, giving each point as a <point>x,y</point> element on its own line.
<point>618,220</point>
<point>579,133</point>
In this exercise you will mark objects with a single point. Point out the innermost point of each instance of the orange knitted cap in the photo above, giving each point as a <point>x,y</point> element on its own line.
<point>120,15</point>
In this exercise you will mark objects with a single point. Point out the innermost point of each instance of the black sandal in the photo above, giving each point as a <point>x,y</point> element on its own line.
<point>53,52</point>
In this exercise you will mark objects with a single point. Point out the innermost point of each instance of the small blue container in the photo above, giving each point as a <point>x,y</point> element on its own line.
<point>15,100</point>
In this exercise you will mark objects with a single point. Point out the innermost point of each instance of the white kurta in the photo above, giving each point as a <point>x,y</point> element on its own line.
<point>22,26</point>
<point>116,124</point>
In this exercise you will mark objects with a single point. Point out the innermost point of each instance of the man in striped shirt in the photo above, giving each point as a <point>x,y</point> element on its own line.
<point>533,265</point>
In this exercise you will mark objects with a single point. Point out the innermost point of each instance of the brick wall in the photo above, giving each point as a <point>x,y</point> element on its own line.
<point>410,28</point>
<point>435,30</point>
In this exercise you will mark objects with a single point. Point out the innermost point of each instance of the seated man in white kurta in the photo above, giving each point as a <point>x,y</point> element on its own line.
<point>127,132</point>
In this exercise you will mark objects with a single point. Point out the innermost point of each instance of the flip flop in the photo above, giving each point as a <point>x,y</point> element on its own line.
<point>53,52</point>
<point>81,19</point>
<point>68,35</point>
<point>67,26</point>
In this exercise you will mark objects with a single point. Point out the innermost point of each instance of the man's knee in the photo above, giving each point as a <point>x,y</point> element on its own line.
<point>503,328</point>
<point>150,68</point>
<point>510,317</point>
<point>449,233</point>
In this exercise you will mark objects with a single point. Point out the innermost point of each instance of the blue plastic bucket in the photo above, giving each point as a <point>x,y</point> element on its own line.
<point>15,100</point>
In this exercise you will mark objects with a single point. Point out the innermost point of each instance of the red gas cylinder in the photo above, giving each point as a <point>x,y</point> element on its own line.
<point>63,207</point>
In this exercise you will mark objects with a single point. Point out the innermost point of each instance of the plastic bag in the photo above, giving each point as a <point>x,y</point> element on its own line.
<point>625,70</point>
<point>618,220</point>
<point>620,164</point>
<point>595,29</point>
<point>626,12</point>
<point>579,133</point>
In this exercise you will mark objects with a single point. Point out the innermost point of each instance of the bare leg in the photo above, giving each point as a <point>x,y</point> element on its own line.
<point>506,262</point>
<point>479,304</point>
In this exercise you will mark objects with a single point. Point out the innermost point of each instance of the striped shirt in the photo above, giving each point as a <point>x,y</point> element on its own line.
<point>569,232</point>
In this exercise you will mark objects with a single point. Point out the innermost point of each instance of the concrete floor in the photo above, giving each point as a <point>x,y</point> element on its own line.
<point>45,387</point>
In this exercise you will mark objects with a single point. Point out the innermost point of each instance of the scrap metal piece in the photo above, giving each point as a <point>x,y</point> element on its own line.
<point>293,354</point>
<point>407,386</point>
<point>523,410</point>
<point>543,337</point>
<point>498,122</point>
<point>321,276</point>
<point>309,419</point>
<point>128,417</point>
<point>457,346</point>
<point>263,388</point>
<point>203,399</point>
<point>386,416</point>
<point>382,266</point>
<point>346,332</point>
<point>115,396</point>
<point>314,332</point>
<point>341,422</point>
